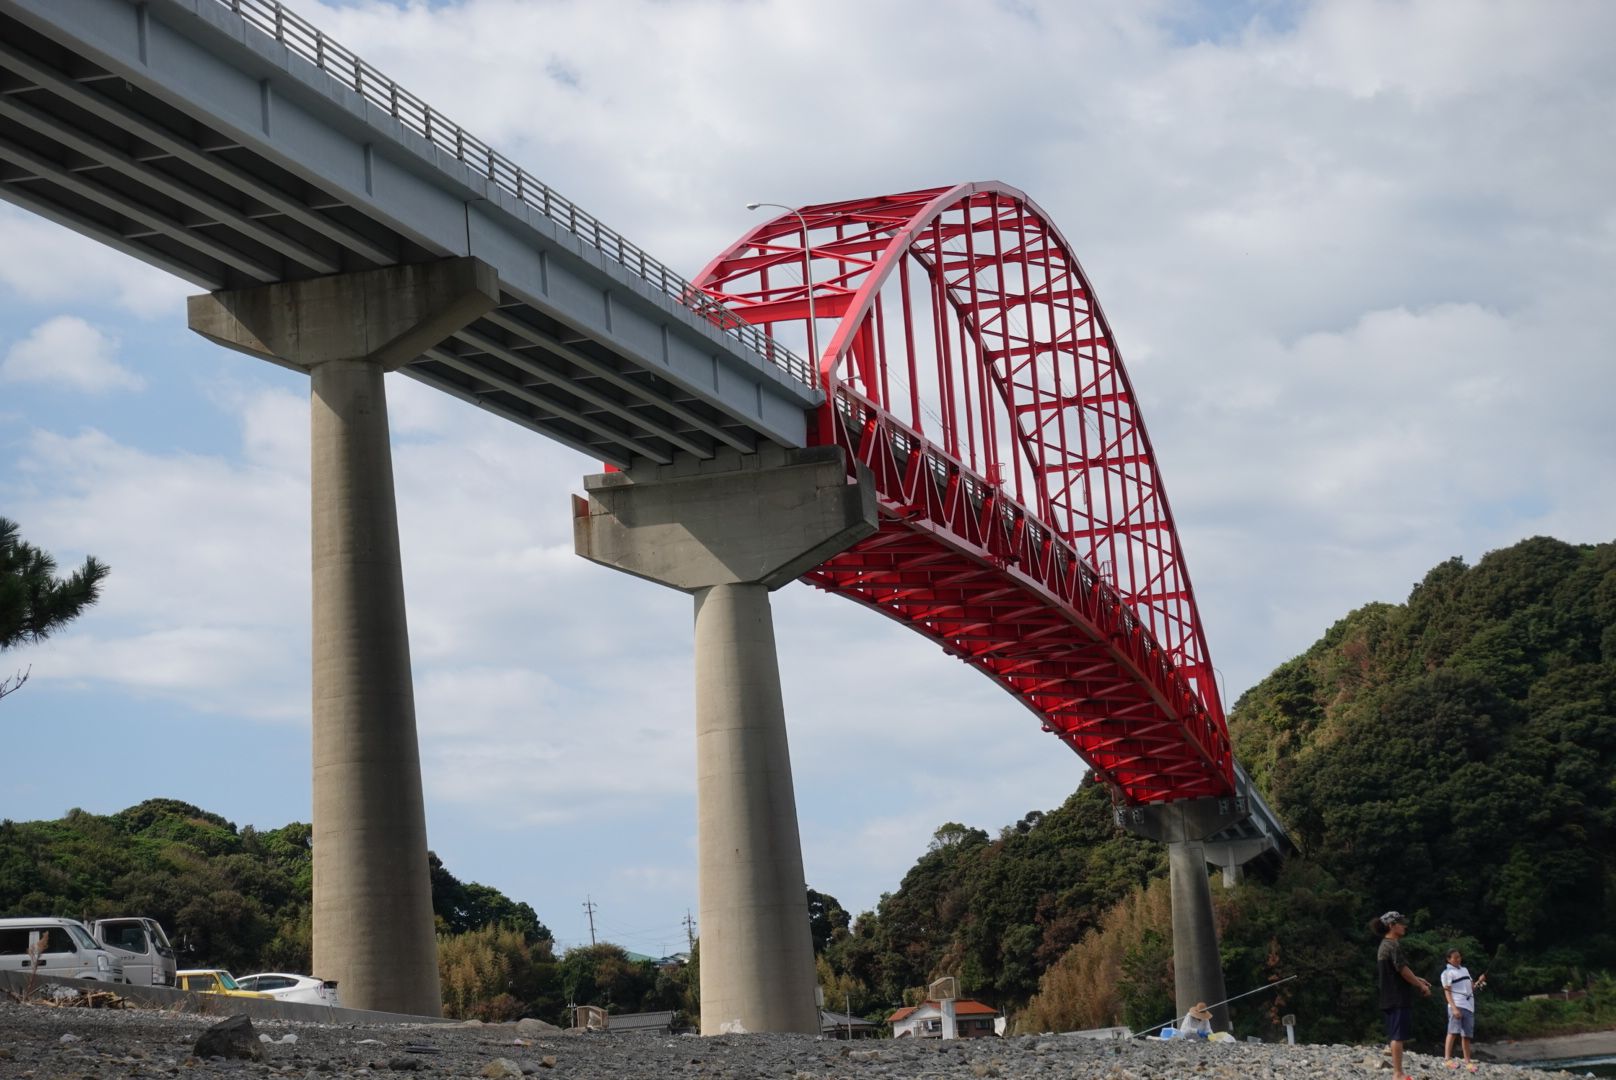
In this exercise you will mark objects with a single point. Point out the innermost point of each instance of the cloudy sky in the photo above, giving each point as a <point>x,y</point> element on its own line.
<point>1359,257</point>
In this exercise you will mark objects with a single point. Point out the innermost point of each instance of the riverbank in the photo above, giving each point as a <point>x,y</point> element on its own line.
<point>1588,1044</point>
<point>42,1043</point>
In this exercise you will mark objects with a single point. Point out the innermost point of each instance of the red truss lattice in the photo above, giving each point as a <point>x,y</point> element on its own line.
<point>1024,526</point>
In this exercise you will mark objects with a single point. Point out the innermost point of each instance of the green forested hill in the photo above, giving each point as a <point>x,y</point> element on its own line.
<point>240,899</point>
<point>995,911</point>
<point>228,897</point>
<point>1455,756</point>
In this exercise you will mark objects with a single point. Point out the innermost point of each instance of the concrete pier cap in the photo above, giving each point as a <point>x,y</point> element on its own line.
<point>727,530</point>
<point>387,317</point>
<point>765,518</point>
<point>372,911</point>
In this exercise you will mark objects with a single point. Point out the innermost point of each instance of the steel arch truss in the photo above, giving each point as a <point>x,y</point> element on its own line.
<point>1025,528</point>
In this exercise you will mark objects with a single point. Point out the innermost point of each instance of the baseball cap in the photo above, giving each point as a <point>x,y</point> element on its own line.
<point>1394,917</point>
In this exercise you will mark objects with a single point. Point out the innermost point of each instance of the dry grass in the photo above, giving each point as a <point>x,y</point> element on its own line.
<point>1080,990</point>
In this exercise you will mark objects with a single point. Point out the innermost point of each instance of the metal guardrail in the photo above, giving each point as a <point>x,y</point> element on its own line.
<point>312,44</point>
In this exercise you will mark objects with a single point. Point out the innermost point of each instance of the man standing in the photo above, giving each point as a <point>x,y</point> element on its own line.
<point>1397,983</point>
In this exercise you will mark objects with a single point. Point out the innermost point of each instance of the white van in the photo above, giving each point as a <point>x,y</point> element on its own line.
<point>140,944</point>
<point>55,947</point>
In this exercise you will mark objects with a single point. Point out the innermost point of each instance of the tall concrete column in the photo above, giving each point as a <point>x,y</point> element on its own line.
<point>373,927</point>
<point>1197,966</point>
<point>728,531</point>
<point>752,902</point>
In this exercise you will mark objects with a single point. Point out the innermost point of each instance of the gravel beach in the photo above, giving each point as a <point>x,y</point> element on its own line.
<point>44,1043</point>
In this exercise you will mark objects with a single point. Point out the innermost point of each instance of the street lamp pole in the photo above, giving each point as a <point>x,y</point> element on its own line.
<point>807,277</point>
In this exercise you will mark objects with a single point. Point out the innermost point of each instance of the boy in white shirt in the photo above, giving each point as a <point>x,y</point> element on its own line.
<point>1460,992</point>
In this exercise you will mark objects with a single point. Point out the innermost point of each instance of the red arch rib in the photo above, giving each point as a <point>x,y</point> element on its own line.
<point>1024,525</point>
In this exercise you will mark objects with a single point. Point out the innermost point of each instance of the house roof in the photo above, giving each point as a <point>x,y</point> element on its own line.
<point>962,1007</point>
<point>638,1021</point>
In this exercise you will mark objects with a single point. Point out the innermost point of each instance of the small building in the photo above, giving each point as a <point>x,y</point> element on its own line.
<point>837,1025</point>
<point>972,1020</point>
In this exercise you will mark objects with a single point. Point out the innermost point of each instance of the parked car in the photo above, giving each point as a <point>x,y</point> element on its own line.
<point>53,946</point>
<point>283,987</point>
<point>141,945</point>
<point>212,981</point>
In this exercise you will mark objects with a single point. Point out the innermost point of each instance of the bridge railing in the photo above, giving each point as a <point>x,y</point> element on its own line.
<point>311,43</point>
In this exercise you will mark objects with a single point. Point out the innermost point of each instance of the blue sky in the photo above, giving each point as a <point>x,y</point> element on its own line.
<point>1358,256</point>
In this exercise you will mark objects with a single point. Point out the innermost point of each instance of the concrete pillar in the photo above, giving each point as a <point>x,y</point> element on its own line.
<point>753,904</point>
<point>373,927</point>
<point>728,530</point>
<point>1197,966</point>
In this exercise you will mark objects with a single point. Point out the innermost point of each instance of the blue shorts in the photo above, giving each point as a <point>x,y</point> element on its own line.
<point>1399,1023</point>
<point>1463,1024</point>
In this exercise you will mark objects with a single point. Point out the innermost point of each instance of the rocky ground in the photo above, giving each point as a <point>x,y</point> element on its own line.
<point>45,1043</point>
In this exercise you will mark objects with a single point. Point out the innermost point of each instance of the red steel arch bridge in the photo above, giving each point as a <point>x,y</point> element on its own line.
<point>1025,526</point>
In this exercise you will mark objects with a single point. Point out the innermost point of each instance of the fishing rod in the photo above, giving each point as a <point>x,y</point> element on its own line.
<point>1484,971</point>
<point>1225,1001</point>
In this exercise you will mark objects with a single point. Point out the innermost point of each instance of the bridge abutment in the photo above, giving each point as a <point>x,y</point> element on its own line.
<point>728,531</point>
<point>373,925</point>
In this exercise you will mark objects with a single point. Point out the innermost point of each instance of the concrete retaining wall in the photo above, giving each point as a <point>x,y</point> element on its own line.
<point>219,1005</point>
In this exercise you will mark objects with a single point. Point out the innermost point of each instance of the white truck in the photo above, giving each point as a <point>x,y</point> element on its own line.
<point>142,947</point>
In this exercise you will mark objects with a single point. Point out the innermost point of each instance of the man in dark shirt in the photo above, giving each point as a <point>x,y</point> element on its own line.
<point>1397,984</point>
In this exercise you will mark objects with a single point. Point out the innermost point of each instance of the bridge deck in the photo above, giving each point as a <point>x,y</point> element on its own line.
<point>232,144</point>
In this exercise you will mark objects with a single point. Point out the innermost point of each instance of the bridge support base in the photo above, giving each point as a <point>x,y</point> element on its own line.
<point>373,928</point>
<point>1197,967</point>
<point>1184,827</point>
<point>728,531</point>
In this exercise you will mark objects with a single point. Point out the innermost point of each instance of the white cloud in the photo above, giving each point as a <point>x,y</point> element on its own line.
<point>47,264</point>
<point>67,351</point>
<point>206,599</point>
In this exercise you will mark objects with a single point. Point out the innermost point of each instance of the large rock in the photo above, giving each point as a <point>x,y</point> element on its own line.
<point>531,1027</point>
<point>232,1038</point>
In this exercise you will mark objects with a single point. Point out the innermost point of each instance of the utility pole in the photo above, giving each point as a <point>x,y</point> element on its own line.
<point>690,931</point>
<point>589,909</point>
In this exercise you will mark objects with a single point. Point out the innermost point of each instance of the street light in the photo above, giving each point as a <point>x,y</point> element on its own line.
<point>807,277</point>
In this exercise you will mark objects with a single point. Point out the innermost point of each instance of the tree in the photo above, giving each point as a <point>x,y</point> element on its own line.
<point>496,974</point>
<point>460,907</point>
<point>34,602</point>
<point>604,975</point>
<point>825,917</point>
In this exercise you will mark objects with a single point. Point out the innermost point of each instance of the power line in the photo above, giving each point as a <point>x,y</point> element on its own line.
<point>589,908</point>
